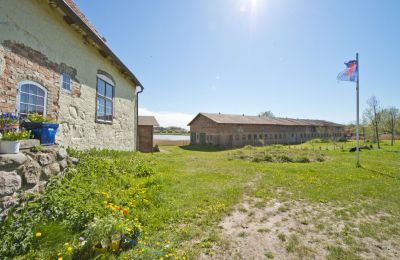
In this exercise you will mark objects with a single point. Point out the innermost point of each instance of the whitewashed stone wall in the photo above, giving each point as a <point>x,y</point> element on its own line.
<point>38,44</point>
<point>78,128</point>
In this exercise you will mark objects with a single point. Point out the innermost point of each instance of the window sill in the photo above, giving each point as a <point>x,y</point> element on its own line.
<point>66,91</point>
<point>98,121</point>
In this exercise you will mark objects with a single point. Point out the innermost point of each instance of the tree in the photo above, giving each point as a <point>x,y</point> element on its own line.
<point>267,114</point>
<point>390,116</point>
<point>373,113</point>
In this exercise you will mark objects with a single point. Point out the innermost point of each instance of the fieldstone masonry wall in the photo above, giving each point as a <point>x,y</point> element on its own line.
<point>29,172</point>
<point>36,44</point>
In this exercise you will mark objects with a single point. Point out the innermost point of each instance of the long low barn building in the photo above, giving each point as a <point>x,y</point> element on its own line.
<point>239,130</point>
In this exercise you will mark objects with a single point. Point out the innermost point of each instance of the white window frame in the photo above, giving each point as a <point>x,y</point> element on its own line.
<point>110,82</point>
<point>62,83</point>
<point>19,95</point>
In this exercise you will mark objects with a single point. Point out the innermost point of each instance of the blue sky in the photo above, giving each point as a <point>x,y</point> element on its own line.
<point>248,56</point>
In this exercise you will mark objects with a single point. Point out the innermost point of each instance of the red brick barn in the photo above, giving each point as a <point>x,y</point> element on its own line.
<point>239,130</point>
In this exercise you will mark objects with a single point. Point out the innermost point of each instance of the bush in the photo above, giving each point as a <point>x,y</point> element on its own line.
<point>268,158</point>
<point>302,159</point>
<point>283,158</point>
<point>256,159</point>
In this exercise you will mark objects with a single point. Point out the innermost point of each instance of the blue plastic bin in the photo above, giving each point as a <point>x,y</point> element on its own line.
<point>45,132</point>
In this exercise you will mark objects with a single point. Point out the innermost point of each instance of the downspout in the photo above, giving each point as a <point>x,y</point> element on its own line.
<point>137,116</point>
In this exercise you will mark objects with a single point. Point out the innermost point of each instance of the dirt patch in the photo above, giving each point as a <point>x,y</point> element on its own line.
<point>297,230</point>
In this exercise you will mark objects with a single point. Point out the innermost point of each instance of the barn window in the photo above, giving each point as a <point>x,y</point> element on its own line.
<point>261,137</point>
<point>255,137</point>
<point>237,137</point>
<point>32,98</point>
<point>265,136</point>
<point>66,82</point>
<point>276,136</point>
<point>249,137</point>
<point>105,98</point>
<point>243,137</point>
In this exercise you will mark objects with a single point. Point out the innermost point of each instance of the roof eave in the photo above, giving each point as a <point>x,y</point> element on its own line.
<point>69,11</point>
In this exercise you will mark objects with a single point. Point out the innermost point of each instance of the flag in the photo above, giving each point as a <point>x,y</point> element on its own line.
<point>350,73</point>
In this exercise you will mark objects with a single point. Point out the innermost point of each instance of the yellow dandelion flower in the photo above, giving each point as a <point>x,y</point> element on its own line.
<point>60,258</point>
<point>38,234</point>
<point>69,249</point>
<point>66,244</point>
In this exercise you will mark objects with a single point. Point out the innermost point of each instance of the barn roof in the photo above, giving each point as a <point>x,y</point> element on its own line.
<point>73,16</point>
<point>148,120</point>
<point>262,120</point>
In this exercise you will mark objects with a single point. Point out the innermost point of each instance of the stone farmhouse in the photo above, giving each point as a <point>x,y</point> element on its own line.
<point>53,62</point>
<point>239,130</point>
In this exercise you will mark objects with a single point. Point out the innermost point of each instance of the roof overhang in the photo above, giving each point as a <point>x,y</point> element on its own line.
<point>73,18</point>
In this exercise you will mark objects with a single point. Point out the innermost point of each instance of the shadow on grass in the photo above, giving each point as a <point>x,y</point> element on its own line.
<point>381,173</point>
<point>203,148</point>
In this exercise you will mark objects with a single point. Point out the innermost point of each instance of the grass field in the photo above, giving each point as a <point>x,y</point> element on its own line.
<point>305,201</point>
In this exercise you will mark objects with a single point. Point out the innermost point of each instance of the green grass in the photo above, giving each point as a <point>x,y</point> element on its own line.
<point>181,203</point>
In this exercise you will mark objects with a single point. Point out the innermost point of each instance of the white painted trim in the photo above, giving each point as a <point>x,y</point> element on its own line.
<point>19,94</point>
<point>106,79</point>
<point>61,83</point>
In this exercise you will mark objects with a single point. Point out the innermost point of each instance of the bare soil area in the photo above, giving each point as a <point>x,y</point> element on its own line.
<point>299,230</point>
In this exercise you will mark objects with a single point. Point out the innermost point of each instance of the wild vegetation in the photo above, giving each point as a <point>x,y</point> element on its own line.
<point>178,203</point>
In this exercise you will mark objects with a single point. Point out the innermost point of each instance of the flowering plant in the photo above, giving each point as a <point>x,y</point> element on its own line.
<point>8,118</point>
<point>36,118</point>
<point>15,136</point>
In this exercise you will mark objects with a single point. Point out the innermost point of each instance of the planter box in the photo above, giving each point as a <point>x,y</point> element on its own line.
<point>45,132</point>
<point>10,147</point>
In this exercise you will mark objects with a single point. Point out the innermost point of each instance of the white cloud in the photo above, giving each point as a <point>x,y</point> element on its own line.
<point>166,118</point>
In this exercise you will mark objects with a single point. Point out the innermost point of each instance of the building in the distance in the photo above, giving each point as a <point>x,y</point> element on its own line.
<point>239,130</point>
<point>146,129</point>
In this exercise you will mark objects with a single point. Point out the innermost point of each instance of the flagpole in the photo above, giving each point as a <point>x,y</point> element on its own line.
<point>358,114</point>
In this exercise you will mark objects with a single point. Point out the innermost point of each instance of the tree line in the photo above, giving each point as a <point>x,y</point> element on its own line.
<point>378,120</point>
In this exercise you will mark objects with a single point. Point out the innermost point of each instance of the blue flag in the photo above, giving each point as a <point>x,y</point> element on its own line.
<point>350,73</point>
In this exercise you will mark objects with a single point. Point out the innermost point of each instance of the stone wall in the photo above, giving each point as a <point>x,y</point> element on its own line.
<point>29,172</point>
<point>37,44</point>
<point>237,135</point>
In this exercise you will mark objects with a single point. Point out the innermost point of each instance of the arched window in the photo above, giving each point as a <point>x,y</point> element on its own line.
<point>32,98</point>
<point>105,99</point>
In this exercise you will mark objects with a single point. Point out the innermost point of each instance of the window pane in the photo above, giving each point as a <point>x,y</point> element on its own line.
<point>24,98</point>
<point>32,99</point>
<point>100,107</point>
<point>31,109</point>
<point>109,91</point>
<point>39,110</point>
<point>101,87</point>
<point>23,108</point>
<point>33,89</point>
<point>40,92</point>
<point>108,108</point>
<point>40,101</point>
<point>25,88</point>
